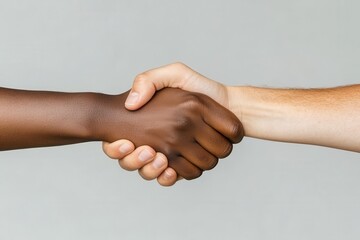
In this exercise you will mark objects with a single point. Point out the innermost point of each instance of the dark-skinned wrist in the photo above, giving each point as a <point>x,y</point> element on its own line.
<point>108,112</point>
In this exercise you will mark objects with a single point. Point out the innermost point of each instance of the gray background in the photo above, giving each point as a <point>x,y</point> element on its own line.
<point>265,190</point>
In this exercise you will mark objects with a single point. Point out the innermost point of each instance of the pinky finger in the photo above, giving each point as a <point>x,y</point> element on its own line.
<point>167,178</point>
<point>153,169</point>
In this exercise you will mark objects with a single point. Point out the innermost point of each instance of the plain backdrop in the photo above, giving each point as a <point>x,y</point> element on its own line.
<point>264,190</point>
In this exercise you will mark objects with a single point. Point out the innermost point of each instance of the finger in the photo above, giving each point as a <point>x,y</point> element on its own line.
<point>146,84</point>
<point>185,168</point>
<point>223,120</point>
<point>154,169</point>
<point>213,141</point>
<point>168,177</point>
<point>199,157</point>
<point>137,159</point>
<point>118,149</point>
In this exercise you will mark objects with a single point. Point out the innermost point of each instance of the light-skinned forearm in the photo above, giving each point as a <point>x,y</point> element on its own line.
<point>327,117</point>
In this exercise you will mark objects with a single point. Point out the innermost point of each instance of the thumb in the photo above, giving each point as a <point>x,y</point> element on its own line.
<point>147,83</point>
<point>141,92</point>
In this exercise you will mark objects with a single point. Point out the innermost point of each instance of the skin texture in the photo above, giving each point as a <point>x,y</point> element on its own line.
<point>37,119</point>
<point>327,117</point>
<point>177,123</point>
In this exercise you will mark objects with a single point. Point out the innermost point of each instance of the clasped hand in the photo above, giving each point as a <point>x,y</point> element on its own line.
<point>190,129</point>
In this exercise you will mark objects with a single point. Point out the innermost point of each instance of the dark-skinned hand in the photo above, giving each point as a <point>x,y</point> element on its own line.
<point>191,129</point>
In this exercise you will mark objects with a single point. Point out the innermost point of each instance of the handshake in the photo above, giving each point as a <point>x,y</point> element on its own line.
<point>176,123</point>
<point>178,133</point>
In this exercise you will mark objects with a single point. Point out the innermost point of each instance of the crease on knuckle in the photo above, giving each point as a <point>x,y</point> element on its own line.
<point>227,150</point>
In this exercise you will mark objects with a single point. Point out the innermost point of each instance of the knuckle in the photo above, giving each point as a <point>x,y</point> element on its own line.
<point>192,101</point>
<point>126,166</point>
<point>227,150</point>
<point>182,123</point>
<point>107,149</point>
<point>146,176</point>
<point>210,163</point>
<point>237,132</point>
<point>196,173</point>
<point>141,78</point>
<point>179,65</point>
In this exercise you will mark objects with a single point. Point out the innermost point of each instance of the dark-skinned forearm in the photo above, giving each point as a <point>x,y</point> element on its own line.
<point>39,118</point>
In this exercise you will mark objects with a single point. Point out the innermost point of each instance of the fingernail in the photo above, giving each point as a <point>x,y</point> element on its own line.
<point>132,99</point>
<point>168,174</point>
<point>158,163</point>
<point>145,155</point>
<point>125,148</point>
